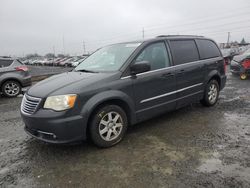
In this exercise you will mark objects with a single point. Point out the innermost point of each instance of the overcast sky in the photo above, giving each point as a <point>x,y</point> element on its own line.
<point>29,26</point>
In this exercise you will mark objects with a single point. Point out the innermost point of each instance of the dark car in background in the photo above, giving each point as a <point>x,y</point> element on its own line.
<point>14,75</point>
<point>240,65</point>
<point>121,85</point>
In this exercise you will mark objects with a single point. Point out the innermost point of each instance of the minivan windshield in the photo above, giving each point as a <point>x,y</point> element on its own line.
<point>109,58</point>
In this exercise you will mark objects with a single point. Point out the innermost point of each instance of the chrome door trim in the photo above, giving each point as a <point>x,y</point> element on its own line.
<point>170,93</point>
<point>174,100</point>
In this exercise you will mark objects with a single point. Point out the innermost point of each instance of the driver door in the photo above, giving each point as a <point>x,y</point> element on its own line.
<point>154,90</point>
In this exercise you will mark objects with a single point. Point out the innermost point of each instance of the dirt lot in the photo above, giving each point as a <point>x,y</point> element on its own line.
<point>192,147</point>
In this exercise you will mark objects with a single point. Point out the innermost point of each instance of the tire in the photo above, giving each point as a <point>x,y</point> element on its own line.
<point>108,126</point>
<point>211,94</point>
<point>11,88</point>
<point>243,76</point>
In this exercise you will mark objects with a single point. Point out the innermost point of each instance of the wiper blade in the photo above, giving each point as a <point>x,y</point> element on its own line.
<point>85,70</point>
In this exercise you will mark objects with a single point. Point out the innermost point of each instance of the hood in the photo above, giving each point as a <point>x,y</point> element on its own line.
<point>240,58</point>
<point>66,82</point>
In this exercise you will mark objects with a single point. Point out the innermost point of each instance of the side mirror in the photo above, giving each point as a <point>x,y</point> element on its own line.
<point>140,67</point>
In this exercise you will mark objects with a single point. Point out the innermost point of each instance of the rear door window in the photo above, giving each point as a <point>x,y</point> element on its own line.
<point>184,51</point>
<point>5,62</point>
<point>207,49</point>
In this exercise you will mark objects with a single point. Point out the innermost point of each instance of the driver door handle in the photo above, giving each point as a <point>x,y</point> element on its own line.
<point>166,75</point>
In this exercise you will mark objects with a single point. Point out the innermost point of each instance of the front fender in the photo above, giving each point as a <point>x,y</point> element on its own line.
<point>102,97</point>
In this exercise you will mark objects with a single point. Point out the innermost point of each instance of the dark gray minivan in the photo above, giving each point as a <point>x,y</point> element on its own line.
<point>123,84</point>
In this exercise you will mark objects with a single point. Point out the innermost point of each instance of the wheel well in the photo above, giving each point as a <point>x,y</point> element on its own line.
<point>217,78</point>
<point>9,79</point>
<point>117,102</point>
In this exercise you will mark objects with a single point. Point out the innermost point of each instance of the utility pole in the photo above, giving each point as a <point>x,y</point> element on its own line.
<point>143,33</point>
<point>84,47</point>
<point>63,45</point>
<point>228,38</point>
<point>54,51</point>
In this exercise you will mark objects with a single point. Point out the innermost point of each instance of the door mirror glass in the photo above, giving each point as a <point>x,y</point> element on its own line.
<point>140,67</point>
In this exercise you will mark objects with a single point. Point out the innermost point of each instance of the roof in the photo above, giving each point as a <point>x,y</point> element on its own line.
<point>6,58</point>
<point>167,37</point>
<point>179,36</point>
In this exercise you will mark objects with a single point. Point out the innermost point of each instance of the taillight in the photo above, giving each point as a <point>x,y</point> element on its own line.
<point>246,64</point>
<point>22,68</point>
<point>225,66</point>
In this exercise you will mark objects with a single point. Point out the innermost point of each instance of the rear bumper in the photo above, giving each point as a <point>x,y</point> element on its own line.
<point>53,128</point>
<point>26,81</point>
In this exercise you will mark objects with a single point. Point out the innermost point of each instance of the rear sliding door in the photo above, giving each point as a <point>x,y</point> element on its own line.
<point>189,71</point>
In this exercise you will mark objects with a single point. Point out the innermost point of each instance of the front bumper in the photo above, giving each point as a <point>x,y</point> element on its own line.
<point>54,127</point>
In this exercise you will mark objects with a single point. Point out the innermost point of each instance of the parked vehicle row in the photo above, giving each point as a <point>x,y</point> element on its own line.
<point>240,65</point>
<point>229,53</point>
<point>65,62</point>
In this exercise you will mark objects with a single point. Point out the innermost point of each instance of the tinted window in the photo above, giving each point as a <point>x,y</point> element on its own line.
<point>208,49</point>
<point>184,51</point>
<point>156,54</point>
<point>5,63</point>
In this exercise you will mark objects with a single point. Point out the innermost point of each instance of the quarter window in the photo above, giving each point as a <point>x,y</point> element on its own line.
<point>184,51</point>
<point>207,49</point>
<point>5,63</point>
<point>156,54</point>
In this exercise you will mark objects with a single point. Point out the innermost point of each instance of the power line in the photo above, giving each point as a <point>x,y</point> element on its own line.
<point>232,13</point>
<point>176,26</point>
<point>209,27</point>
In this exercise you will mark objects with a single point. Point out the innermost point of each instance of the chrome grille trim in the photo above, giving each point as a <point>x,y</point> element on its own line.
<point>29,104</point>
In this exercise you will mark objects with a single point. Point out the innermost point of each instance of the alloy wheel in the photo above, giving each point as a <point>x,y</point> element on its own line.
<point>212,93</point>
<point>11,89</point>
<point>110,126</point>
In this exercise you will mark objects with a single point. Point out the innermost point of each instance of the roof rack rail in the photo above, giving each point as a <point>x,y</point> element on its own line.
<point>178,36</point>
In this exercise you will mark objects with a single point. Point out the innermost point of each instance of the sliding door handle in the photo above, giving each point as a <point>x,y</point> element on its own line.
<point>166,75</point>
<point>181,71</point>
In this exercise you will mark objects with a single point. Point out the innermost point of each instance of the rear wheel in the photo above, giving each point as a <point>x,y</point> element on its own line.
<point>11,88</point>
<point>243,76</point>
<point>211,93</point>
<point>108,126</point>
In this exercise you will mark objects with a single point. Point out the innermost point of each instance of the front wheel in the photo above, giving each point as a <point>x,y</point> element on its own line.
<point>108,126</point>
<point>211,93</point>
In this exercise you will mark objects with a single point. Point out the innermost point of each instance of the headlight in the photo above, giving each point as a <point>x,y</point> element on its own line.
<point>60,102</point>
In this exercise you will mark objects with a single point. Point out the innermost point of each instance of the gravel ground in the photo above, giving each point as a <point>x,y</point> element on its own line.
<point>192,147</point>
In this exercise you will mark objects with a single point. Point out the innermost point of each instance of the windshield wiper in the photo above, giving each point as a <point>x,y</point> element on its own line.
<point>85,70</point>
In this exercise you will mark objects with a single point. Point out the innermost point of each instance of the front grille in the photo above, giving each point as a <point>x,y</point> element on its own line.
<point>29,104</point>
